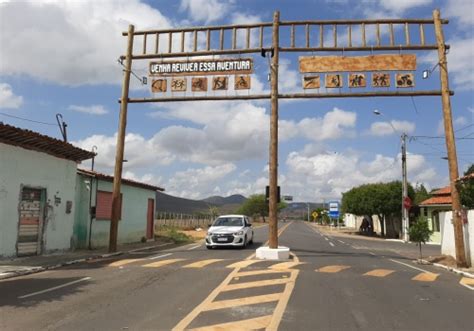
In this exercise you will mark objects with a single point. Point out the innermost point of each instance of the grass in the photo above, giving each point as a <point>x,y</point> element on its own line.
<point>173,234</point>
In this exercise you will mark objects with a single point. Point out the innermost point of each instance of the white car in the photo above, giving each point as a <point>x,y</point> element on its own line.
<point>230,230</point>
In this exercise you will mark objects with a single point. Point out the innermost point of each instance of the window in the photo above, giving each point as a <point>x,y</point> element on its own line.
<point>104,206</point>
<point>435,217</point>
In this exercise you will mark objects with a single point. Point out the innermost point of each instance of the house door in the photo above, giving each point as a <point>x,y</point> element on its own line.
<point>149,217</point>
<point>30,224</point>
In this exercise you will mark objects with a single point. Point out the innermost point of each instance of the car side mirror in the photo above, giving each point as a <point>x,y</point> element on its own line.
<point>209,225</point>
<point>249,225</point>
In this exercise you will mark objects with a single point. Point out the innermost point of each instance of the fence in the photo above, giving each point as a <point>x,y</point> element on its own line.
<point>183,221</point>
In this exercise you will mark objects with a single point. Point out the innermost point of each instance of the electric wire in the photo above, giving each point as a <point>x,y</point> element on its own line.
<point>28,120</point>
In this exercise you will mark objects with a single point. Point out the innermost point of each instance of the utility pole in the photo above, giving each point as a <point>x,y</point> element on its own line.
<point>404,189</point>
<point>116,201</point>
<point>273,167</point>
<point>450,142</point>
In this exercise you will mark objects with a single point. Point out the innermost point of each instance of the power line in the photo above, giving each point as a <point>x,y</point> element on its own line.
<point>440,137</point>
<point>28,120</point>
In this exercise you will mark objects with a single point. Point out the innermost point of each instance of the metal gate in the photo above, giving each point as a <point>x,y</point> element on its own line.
<point>30,224</point>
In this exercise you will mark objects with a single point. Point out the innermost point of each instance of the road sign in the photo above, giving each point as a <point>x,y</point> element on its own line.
<point>334,209</point>
<point>314,214</point>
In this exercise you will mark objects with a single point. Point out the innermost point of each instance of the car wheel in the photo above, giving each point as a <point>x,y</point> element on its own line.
<point>245,242</point>
<point>251,241</point>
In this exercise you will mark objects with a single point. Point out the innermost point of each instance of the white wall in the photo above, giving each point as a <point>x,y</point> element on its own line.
<point>447,235</point>
<point>19,167</point>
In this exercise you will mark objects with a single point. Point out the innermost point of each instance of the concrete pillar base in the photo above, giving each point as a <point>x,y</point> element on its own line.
<point>267,253</point>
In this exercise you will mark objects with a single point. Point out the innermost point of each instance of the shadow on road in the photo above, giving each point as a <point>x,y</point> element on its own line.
<point>13,290</point>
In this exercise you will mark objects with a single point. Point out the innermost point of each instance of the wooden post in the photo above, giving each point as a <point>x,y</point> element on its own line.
<point>116,203</point>
<point>450,143</point>
<point>273,166</point>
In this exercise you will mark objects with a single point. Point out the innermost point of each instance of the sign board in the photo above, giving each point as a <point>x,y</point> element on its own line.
<point>237,66</point>
<point>287,198</point>
<point>334,209</point>
<point>381,62</point>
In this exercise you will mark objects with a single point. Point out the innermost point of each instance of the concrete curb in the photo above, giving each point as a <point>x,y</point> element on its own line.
<point>34,270</point>
<point>456,271</point>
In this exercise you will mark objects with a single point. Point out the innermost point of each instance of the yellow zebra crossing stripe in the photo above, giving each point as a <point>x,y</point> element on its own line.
<point>162,263</point>
<point>249,324</point>
<point>259,283</point>
<point>123,262</point>
<point>467,282</point>
<point>243,264</point>
<point>203,263</point>
<point>379,273</point>
<point>332,268</point>
<point>243,301</point>
<point>261,272</point>
<point>425,277</point>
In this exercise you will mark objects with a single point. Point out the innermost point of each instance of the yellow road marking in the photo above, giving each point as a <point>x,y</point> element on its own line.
<point>284,265</point>
<point>379,273</point>
<point>260,272</point>
<point>426,277</point>
<point>278,312</point>
<point>266,282</point>
<point>249,324</point>
<point>243,301</point>
<point>333,268</point>
<point>162,263</point>
<point>467,282</point>
<point>243,264</point>
<point>203,263</point>
<point>123,262</point>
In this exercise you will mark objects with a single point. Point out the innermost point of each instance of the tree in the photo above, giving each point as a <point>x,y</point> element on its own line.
<point>421,194</point>
<point>381,199</point>
<point>466,189</point>
<point>256,205</point>
<point>420,232</point>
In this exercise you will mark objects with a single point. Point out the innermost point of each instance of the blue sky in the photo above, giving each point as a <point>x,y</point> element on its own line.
<point>61,57</point>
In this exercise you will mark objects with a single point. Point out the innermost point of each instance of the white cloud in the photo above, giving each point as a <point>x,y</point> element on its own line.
<point>462,11</point>
<point>460,62</point>
<point>195,183</point>
<point>387,128</point>
<point>138,151</point>
<point>206,11</point>
<point>325,176</point>
<point>71,42</point>
<point>7,98</point>
<point>93,109</point>
<point>400,6</point>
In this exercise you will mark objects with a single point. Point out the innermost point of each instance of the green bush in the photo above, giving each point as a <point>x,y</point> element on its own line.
<point>420,232</point>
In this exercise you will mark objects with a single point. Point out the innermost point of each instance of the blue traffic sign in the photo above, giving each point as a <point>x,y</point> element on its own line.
<point>334,209</point>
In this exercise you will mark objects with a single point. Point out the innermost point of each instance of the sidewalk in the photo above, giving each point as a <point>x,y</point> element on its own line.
<point>17,266</point>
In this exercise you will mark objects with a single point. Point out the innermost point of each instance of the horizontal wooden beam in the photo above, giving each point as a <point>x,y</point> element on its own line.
<point>292,96</point>
<point>360,21</point>
<point>201,28</point>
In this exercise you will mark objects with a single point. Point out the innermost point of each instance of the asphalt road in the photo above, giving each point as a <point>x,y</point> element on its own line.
<point>331,283</point>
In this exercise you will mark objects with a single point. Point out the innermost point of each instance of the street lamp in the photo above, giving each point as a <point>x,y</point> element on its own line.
<point>405,199</point>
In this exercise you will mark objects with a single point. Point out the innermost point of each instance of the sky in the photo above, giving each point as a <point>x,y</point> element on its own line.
<point>61,57</point>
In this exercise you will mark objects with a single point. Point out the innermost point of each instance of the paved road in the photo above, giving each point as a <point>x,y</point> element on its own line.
<point>331,283</point>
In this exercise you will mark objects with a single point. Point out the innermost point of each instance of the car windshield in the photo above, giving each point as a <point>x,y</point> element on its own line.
<point>229,221</point>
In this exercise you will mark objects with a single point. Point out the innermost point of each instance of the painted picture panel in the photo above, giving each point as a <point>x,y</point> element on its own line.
<point>158,85</point>
<point>380,79</point>
<point>405,80</point>
<point>178,84</point>
<point>311,82</point>
<point>199,84</point>
<point>242,82</point>
<point>220,83</point>
<point>357,80</point>
<point>333,80</point>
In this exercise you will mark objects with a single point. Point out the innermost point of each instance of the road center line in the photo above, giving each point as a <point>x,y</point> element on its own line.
<point>159,256</point>
<point>54,288</point>
<point>410,266</point>
<point>330,243</point>
<point>194,247</point>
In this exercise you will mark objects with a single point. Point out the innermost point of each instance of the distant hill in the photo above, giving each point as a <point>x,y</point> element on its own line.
<point>219,201</point>
<point>300,209</point>
<point>170,204</point>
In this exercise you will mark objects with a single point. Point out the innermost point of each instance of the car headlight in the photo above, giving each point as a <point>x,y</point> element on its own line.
<point>239,233</point>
